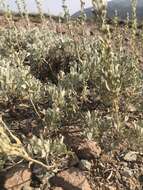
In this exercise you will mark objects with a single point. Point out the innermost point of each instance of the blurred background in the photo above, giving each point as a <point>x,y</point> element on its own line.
<point>53,7</point>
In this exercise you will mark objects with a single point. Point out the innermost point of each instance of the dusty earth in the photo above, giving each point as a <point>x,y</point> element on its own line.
<point>112,162</point>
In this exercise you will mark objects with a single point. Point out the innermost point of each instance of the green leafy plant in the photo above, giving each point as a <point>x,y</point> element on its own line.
<point>89,81</point>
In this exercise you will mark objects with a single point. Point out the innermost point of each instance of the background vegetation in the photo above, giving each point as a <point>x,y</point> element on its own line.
<point>54,77</point>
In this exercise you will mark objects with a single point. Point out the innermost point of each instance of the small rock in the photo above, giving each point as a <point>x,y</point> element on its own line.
<point>131,156</point>
<point>85,165</point>
<point>70,179</point>
<point>17,179</point>
<point>85,149</point>
<point>127,172</point>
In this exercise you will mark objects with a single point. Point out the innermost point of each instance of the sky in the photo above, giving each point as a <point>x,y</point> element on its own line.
<point>50,6</point>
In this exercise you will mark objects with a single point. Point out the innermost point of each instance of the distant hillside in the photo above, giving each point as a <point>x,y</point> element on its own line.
<point>123,7</point>
<point>88,12</point>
